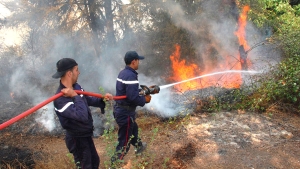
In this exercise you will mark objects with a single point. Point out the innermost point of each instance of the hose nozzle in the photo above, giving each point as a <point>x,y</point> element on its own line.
<point>149,90</point>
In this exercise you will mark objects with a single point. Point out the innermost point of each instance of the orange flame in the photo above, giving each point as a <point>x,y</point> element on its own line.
<point>183,71</point>
<point>241,33</point>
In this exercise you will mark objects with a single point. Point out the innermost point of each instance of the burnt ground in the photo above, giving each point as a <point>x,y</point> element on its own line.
<point>203,140</point>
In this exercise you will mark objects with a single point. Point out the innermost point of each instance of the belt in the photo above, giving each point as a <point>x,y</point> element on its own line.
<point>129,108</point>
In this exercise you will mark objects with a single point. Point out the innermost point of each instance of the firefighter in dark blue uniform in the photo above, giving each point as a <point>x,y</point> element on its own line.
<point>75,115</point>
<point>124,110</point>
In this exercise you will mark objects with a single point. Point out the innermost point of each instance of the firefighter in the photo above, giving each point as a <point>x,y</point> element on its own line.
<point>75,116</point>
<point>124,110</point>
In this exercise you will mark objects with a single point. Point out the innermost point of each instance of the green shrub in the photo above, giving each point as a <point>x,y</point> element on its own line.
<point>281,85</point>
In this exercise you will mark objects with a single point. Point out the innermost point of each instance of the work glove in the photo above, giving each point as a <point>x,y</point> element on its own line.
<point>148,98</point>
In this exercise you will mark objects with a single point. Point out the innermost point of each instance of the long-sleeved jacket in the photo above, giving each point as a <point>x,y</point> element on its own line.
<point>128,84</point>
<point>74,113</point>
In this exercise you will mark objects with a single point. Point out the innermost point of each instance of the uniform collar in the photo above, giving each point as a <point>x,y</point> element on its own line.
<point>130,68</point>
<point>63,86</point>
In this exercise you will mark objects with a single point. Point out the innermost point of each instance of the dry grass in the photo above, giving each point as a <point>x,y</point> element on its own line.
<point>53,162</point>
<point>179,143</point>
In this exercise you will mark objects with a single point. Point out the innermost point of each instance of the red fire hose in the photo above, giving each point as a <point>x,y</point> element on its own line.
<point>35,108</point>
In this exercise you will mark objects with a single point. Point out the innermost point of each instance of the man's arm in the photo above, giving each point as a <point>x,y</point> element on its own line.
<point>132,92</point>
<point>99,102</point>
<point>73,108</point>
<point>95,102</point>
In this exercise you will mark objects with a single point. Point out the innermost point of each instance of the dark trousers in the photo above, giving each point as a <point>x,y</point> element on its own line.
<point>127,134</point>
<point>84,152</point>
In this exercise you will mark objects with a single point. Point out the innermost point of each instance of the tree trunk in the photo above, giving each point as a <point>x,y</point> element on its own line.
<point>111,40</point>
<point>92,19</point>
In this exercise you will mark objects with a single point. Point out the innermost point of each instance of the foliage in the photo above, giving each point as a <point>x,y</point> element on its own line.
<point>164,36</point>
<point>228,100</point>
<point>282,85</point>
<point>91,20</point>
<point>283,19</point>
<point>71,160</point>
<point>110,138</point>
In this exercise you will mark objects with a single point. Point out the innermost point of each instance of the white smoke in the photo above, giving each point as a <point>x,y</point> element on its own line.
<point>163,104</point>
<point>34,93</point>
<point>46,117</point>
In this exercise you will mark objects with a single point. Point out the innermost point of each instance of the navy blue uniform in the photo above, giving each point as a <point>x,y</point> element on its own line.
<point>75,116</point>
<point>124,110</point>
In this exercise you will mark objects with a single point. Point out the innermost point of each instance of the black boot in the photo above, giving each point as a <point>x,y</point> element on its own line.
<point>140,148</point>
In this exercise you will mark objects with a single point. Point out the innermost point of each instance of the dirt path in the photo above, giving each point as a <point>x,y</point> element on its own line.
<point>220,140</point>
<point>229,140</point>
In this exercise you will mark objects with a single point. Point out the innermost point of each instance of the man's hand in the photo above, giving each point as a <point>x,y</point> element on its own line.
<point>108,96</point>
<point>148,98</point>
<point>68,92</point>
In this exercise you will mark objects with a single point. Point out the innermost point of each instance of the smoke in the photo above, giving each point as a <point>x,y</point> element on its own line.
<point>211,28</point>
<point>164,106</point>
<point>33,89</point>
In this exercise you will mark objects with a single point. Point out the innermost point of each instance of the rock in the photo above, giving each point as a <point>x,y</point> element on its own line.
<point>285,134</point>
<point>234,144</point>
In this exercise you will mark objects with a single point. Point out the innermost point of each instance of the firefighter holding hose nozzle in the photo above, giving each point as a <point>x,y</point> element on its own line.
<point>124,110</point>
<point>75,115</point>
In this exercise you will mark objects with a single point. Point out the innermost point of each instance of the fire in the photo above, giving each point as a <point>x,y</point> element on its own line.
<point>242,22</point>
<point>241,35</point>
<point>183,71</point>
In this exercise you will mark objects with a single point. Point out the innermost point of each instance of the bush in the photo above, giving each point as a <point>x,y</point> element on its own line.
<point>280,85</point>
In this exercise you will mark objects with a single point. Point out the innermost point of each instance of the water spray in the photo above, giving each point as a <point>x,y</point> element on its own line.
<point>210,74</point>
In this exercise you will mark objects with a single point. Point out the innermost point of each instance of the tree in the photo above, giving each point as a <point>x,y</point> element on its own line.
<point>158,33</point>
<point>283,18</point>
<point>92,19</point>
